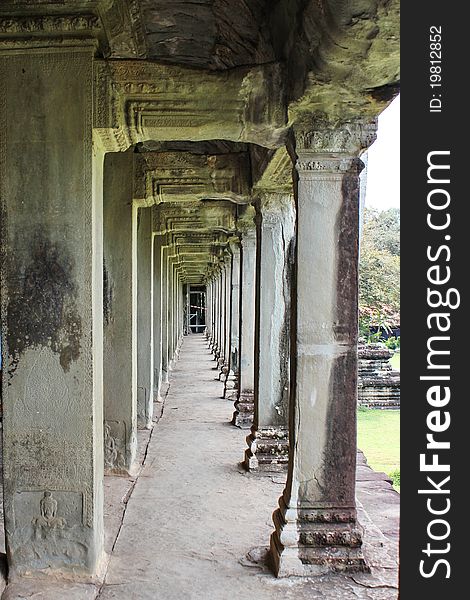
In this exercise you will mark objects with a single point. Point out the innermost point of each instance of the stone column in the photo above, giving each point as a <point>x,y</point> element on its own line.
<point>210,307</point>
<point>215,309</point>
<point>215,345</point>
<point>186,296</point>
<point>227,306</point>
<point>179,308</point>
<point>51,181</point>
<point>145,353</point>
<point>157,314</point>
<point>228,313</point>
<point>164,314</point>
<point>120,314</point>
<point>171,308</point>
<point>268,445</point>
<point>223,311</point>
<point>208,284</point>
<point>231,381</point>
<point>244,405</point>
<point>316,528</point>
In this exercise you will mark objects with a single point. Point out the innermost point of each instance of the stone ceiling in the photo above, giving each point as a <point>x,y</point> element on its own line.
<point>244,74</point>
<point>214,34</point>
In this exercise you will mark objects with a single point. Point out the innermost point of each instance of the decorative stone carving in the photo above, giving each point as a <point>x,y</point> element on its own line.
<point>346,138</point>
<point>124,27</point>
<point>48,518</point>
<point>114,448</point>
<point>49,24</point>
<point>333,152</point>
<point>49,31</point>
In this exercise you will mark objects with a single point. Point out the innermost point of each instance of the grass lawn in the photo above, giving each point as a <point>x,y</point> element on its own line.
<point>395,361</point>
<point>378,436</point>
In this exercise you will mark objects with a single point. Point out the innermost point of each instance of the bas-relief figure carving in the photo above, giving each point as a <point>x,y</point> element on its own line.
<point>114,444</point>
<point>48,518</point>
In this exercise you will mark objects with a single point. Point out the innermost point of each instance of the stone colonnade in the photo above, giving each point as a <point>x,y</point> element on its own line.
<point>93,292</point>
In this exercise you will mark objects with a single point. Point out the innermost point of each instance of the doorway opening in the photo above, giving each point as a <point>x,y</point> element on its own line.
<point>196,308</point>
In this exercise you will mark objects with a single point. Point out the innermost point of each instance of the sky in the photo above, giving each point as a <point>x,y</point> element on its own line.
<point>383,168</point>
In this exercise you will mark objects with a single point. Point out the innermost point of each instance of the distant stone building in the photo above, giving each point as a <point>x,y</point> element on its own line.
<point>378,383</point>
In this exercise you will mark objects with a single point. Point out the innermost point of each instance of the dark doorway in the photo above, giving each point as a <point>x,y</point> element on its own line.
<point>197,308</point>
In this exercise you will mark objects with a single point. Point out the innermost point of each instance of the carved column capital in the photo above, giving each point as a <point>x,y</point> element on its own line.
<point>334,149</point>
<point>246,221</point>
<point>234,244</point>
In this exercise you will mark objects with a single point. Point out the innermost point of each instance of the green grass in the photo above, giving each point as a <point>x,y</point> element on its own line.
<point>378,436</point>
<point>395,361</point>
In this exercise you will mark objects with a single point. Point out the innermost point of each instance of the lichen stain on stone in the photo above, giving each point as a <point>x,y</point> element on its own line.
<point>348,247</point>
<point>107,295</point>
<point>43,308</point>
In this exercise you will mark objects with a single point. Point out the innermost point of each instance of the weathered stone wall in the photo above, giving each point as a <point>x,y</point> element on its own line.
<point>51,286</point>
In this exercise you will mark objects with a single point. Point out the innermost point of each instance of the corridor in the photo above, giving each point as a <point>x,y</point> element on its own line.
<point>197,526</point>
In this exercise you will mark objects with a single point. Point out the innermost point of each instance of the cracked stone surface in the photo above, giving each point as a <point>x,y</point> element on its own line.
<point>197,526</point>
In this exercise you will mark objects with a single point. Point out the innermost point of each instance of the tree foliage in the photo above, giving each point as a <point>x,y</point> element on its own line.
<point>379,269</point>
<point>382,229</point>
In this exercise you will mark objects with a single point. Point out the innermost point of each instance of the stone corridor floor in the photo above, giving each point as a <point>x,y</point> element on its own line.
<point>195,526</point>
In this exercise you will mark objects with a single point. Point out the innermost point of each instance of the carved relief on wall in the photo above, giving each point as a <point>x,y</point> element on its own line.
<point>114,445</point>
<point>48,518</point>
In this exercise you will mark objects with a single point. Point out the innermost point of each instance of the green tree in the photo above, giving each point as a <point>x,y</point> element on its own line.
<point>382,228</point>
<point>379,270</point>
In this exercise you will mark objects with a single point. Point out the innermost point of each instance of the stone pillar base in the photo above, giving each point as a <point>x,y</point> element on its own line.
<point>315,541</point>
<point>223,372</point>
<point>230,385</point>
<point>268,450</point>
<point>244,410</point>
<point>232,395</point>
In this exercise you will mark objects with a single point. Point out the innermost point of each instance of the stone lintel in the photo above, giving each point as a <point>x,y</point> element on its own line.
<point>196,219</point>
<point>138,101</point>
<point>186,177</point>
